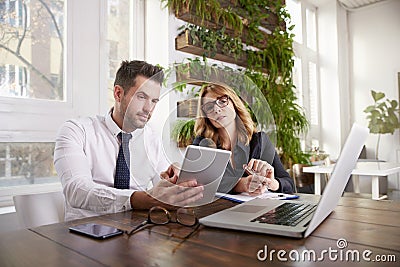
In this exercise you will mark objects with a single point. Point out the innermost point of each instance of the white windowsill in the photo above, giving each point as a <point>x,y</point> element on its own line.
<point>6,193</point>
<point>5,210</point>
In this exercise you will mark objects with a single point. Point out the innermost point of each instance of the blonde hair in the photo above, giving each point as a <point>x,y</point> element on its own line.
<point>244,122</point>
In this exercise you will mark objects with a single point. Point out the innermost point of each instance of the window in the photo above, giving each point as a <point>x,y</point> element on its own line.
<point>26,163</point>
<point>32,92</point>
<point>119,35</point>
<point>55,63</point>
<point>13,81</point>
<point>30,54</point>
<point>313,93</point>
<point>294,8</point>
<point>11,13</point>
<point>306,68</point>
<point>297,80</point>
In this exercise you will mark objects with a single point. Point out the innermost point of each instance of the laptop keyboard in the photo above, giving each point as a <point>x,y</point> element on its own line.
<point>286,214</point>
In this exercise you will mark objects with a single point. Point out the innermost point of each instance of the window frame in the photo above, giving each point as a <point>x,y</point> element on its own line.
<point>38,120</point>
<point>307,55</point>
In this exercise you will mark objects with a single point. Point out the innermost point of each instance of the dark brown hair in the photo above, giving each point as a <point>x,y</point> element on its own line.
<point>129,70</point>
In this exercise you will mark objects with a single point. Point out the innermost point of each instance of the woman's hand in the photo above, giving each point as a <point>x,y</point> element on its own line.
<point>261,167</point>
<point>265,170</point>
<point>254,185</point>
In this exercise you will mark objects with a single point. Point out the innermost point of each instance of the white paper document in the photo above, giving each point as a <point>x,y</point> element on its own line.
<point>243,197</point>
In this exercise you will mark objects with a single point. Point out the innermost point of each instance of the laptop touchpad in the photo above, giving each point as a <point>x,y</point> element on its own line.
<point>249,208</point>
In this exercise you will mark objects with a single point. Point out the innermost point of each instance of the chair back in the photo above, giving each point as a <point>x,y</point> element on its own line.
<point>301,178</point>
<point>39,209</point>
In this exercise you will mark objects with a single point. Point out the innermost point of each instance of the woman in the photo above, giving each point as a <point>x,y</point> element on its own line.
<point>223,118</point>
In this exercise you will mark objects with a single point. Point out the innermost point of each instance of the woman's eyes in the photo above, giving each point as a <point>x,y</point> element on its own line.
<point>222,101</point>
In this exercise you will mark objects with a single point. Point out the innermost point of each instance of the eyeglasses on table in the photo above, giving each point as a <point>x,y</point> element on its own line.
<point>158,215</point>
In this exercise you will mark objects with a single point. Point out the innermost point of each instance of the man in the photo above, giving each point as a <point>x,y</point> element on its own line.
<point>100,174</point>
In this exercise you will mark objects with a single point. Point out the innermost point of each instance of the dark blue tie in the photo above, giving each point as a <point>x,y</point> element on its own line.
<point>122,175</point>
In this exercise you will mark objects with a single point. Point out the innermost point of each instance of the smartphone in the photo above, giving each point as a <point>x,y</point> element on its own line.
<point>94,230</point>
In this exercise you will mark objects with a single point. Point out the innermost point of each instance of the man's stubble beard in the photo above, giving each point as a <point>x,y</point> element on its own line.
<point>130,123</point>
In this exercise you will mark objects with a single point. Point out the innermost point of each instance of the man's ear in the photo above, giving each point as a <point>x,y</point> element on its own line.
<point>118,93</point>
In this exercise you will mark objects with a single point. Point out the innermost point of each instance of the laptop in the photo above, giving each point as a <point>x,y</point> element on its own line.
<point>294,218</point>
<point>207,165</point>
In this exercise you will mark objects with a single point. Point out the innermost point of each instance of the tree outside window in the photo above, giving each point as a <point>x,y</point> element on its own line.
<point>32,49</point>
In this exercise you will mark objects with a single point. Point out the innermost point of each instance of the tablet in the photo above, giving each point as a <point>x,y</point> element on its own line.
<point>206,165</point>
<point>94,230</point>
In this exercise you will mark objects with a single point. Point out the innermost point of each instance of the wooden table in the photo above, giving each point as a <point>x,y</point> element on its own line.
<point>373,169</point>
<point>364,224</point>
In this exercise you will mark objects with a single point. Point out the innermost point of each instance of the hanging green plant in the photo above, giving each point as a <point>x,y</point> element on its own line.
<point>209,10</point>
<point>214,41</point>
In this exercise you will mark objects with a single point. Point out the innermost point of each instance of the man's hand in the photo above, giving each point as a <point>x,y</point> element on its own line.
<point>172,173</point>
<point>167,193</point>
<point>177,194</point>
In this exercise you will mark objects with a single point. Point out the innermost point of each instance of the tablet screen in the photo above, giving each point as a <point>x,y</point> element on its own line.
<point>207,166</point>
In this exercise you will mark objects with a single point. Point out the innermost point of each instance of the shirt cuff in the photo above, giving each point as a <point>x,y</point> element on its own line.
<point>124,199</point>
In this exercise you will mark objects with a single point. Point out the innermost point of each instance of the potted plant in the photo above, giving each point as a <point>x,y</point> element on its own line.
<point>382,117</point>
<point>183,132</point>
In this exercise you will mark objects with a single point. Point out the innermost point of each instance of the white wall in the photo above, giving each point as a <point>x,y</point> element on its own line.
<point>156,50</point>
<point>375,59</point>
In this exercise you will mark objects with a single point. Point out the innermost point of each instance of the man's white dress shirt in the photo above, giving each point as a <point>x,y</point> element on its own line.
<point>85,159</point>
